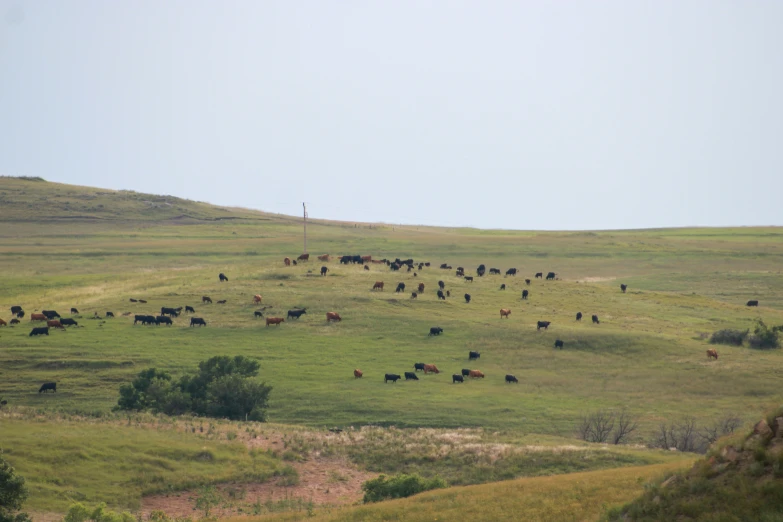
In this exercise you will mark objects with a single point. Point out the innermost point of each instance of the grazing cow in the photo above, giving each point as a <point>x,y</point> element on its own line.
<point>20,314</point>
<point>162,319</point>
<point>45,387</point>
<point>473,355</point>
<point>511,272</point>
<point>421,288</point>
<point>287,261</point>
<point>467,298</point>
<point>274,320</point>
<point>623,288</point>
<point>324,270</point>
<point>527,281</point>
<point>257,299</point>
<point>132,300</point>
<point>460,272</point>
<point>712,353</point>
<point>441,285</point>
<point>109,314</point>
<point>366,267</point>
<point>457,378</point>
<point>294,262</point>
<point>366,259</point>
<point>40,331</point>
<point>139,318</point>
<point>37,317</point>
<point>258,314</point>
<point>149,320</point>
<point>197,321</point>
<point>393,377</point>
<point>3,323</point>
<point>357,374</point>
<point>68,322</point>
<point>333,316</point>
<point>427,263</point>
<point>481,270</point>
<point>595,320</point>
<point>206,299</point>
<point>505,312</point>
<point>50,314</point>
<point>469,278</point>
<point>448,293</point>
<point>559,344</point>
<point>543,324</point>
<point>753,303</point>
<point>465,372</point>
<point>54,323</point>
<point>16,309</point>
<point>74,311</point>
<point>303,257</point>
<point>441,295</point>
<point>435,330</point>
<point>142,301</point>
<point>296,314</point>
<point>400,287</point>
<point>190,309</point>
<point>222,277</point>
<point>444,265</point>
<point>222,301</point>
<point>15,321</point>
<point>324,257</point>
<point>494,271</point>
<point>411,376</point>
<point>539,275</point>
<point>414,295</point>
<point>476,374</point>
<point>525,293</point>
<point>418,366</point>
<point>344,260</point>
<point>378,285</point>
<point>357,259</point>
<point>503,286</point>
<point>550,276</point>
<point>510,378</point>
<point>394,266</point>
<point>173,312</point>
<point>431,368</point>
<point>579,316</point>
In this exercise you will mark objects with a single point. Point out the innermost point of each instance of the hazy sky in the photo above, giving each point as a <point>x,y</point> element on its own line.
<point>532,115</point>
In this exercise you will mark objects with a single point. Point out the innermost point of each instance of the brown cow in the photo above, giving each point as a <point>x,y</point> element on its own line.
<point>206,299</point>
<point>303,257</point>
<point>37,317</point>
<point>357,374</point>
<point>421,287</point>
<point>367,259</point>
<point>475,374</point>
<point>378,285</point>
<point>333,316</point>
<point>3,323</point>
<point>287,261</point>
<point>256,299</point>
<point>324,257</point>
<point>377,261</point>
<point>54,324</point>
<point>431,368</point>
<point>505,312</point>
<point>712,353</point>
<point>274,320</point>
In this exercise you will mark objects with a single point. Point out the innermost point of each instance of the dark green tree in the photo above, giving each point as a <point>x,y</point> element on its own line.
<point>13,494</point>
<point>237,398</point>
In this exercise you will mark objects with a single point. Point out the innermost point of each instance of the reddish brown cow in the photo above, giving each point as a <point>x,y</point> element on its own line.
<point>324,257</point>
<point>274,320</point>
<point>421,287</point>
<point>37,317</point>
<point>505,312</point>
<point>367,259</point>
<point>476,374</point>
<point>54,324</point>
<point>3,323</point>
<point>256,299</point>
<point>287,261</point>
<point>377,261</point>
<point>333,316</point>
<point>378,285</point>
<point>357,374</point>
<point>712,353</point>
<point>431,368</point>
<point>303,257</point>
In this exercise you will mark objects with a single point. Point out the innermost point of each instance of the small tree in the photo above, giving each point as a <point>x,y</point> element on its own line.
<point>764,337</point>
<point>13,494</point>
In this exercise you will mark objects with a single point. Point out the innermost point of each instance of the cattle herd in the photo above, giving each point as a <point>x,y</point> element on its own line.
<point>55,321</point>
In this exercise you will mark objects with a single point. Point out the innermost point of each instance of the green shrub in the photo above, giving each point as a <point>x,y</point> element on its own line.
<point>398,486</point>
<point>13,493</point>
<point>764,337</point>
<point>80,513</point>
<point>728,336</point>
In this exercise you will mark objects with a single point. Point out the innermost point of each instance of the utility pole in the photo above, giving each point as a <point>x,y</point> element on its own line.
<point>305,228</point>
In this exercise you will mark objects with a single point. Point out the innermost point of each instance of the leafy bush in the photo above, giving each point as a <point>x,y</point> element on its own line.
<point>398,486</point>
<point>764,337</point>
<point>80,513</point>
<point>13,493</point>
<point>728,336</point>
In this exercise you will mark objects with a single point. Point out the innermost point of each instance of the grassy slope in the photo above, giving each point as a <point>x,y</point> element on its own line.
<point>578,496</point>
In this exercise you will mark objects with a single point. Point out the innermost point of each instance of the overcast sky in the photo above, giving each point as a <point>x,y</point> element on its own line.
<point>527,115</point>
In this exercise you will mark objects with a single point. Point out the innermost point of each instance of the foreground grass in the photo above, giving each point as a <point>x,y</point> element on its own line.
<point>578,496</point>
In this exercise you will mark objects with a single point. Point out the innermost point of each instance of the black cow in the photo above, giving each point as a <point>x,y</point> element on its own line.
<point>345,260</point>
<point>410,376</point>
<point>162,319</point>
<point>142,301</point>
<point>511,272</point>
<point>550,276</point>
<point>393,377</point>
<point>465,372</point>
<point>418,366</point>
<point>623,288</point>
<point>436,330</point>
<point>510,378</point>
<point>426,263</point>
<point>109,314</point>
<point>414,295</point>
<point>222,277</point>
<point>460,271</point>
<point>457,378</point>
<point>539,275</point>
<point>543,324</point>
<point>74,311</point>
<point>394,266</point>
<point>494,271</point>
<point>400,287</point>
<point>42,330</point>
<point>579,316</point>
<point>16,309</point>
<point>296,314</point>
<point>753,303</point>
<point>444,266</point>
<point>190,309</point>
<point>357,259</point>
<point>440,295</point>
<point>173,312</point>
<point>595,320</point>
<point>525,293</point>
<point>45,387</point>
<point>448,294</point>
<point>559,344</point>
<point>132,300</point>
<point>68,322</point>
<point>441,285</point>
<point>480,270</point>
<point>527,281</point>
<point>149,319</point>
<point>503,286</point>
<point>469,278</point>
<point>324,270</point>
<point>467,298</point>
<point>50,314</point>
<point>20,314</point>
<point>138,318</point>
<point>473,355</point>
<point>14,321</point>
<point>197,321</point>
<point>366,267</point>
<point>258,314</point>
